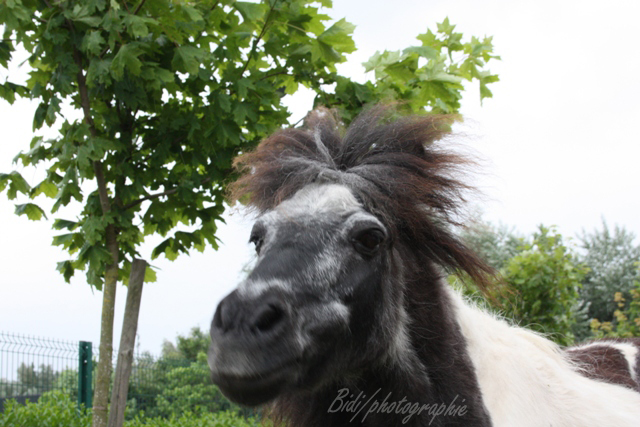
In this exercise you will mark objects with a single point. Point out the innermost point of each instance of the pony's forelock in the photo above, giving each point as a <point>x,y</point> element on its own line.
<point>395,165</point>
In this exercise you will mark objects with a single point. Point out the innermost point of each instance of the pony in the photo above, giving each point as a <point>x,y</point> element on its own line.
<point>347,317</point>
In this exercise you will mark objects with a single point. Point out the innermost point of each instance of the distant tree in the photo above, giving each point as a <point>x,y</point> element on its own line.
<point>496,244</point>
<point>169,350</point>
<point>197,342</point>
<point>67,381</point>
<point>168,93</point>
<point>35,381</point>
<point>612,257</point>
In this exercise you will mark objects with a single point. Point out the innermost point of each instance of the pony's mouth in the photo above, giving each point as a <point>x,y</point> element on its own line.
<point>255,389</point>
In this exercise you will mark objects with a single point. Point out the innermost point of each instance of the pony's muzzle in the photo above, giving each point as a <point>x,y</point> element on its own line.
<point>259,318</point>
<point>252,352</point>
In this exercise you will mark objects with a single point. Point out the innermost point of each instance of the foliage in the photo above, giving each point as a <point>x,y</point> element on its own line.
<point>495,244</point>
<point>189,389</point>
<point>53,409</point>
<point>546,277</point>
<point>187,347</point>
<point>35,381</point>
<point>429,75</point>
<point>170,387</point>
<point>612,258</point>
<point>56,409</point>
<point>196,343</point>
<point>626,321</point>
<point>171,91</point>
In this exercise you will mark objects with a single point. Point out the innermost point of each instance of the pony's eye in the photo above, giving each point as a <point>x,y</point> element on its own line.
<point>257,237</point>
<point>368,241</point>
<point>257,241</point>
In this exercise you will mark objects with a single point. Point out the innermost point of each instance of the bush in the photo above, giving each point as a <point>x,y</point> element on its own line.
<point>626,321</point>
<point>57,409</point>
<point>546,278</point>
<point>612,257</point>
<point>53,409</point>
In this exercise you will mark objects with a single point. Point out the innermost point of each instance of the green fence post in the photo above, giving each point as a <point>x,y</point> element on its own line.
<point>84,374</point>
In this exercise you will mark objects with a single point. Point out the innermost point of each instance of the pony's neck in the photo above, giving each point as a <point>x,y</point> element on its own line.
<point>428,379</point>
<point>526,381</point>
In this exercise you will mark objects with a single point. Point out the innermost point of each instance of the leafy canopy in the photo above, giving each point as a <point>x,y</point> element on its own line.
<point>170,91</point>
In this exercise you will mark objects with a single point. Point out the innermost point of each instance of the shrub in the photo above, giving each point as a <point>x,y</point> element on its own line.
<point>57,409</point>
<point>626,321</point>
<point>53,409</point>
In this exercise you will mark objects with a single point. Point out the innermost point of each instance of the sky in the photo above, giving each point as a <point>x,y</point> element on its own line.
<point>558,143</point>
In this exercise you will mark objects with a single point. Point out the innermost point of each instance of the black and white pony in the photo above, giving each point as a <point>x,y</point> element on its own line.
<point>346,318</point>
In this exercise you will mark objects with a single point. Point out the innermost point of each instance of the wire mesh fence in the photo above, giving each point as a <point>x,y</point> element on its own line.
<point>158,387</point>
<point>31,366</point>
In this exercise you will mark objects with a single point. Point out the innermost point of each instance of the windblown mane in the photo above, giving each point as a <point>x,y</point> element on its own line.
<point>397,168</point>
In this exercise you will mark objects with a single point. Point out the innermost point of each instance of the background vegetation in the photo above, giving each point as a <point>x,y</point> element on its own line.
<point>568,289</point>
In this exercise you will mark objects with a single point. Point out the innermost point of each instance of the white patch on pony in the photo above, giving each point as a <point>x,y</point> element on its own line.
<point>400,351</point>
<point>331,313</point>
<point>629,351</point>
<point>255,288</point>
<point>325,269</point>
<point>526,382</point>
<point>318,199</point>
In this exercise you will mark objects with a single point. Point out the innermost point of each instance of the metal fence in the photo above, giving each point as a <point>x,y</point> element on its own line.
<point>158,386</point>
<point>31,366</point>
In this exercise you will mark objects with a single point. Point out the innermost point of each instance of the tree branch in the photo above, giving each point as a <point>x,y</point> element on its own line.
<point>85,103</point>
<point>257,40</point>
<point>135,12</point>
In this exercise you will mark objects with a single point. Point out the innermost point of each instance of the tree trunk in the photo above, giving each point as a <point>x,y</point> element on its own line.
<point>127,344</point>
<point>103,376</point>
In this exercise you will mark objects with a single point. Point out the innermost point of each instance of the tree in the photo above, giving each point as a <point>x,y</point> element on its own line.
<point>169,92</point>
<point>495,244</point>
<point>35,381</point>
<point>197,342</point>
<point>612,257</point>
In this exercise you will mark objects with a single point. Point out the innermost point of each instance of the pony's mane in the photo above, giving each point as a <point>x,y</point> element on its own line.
<point>395,166</point>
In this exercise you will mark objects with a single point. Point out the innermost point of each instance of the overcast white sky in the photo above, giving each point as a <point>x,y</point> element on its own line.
<point>560,143</point>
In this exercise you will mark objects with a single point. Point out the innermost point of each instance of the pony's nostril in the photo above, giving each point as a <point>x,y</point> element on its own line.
<point>217,318</point>
<point>268,317</point>
<point>223,319</point>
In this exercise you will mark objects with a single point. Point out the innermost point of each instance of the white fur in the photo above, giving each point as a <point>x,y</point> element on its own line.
<point>255,288</point>
<point>526,382</point>
<point>316,199</point>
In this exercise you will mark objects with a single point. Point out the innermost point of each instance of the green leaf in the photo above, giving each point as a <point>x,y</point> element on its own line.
<point>80,13</point>
<point>59,224</point>
<point>186,59</point>
<point>127,58</point>
<point>46,187</point>
<point>251,11</point>
<point>338,36</point>
<point>150,275</point>
<point>93,42</point>
<point>424,51</point>
<point>66,269</point>
<point>33,212</point>
<point>16,184</point>
<point>404,70</point>
<point>445,27</point>
<point>137,25</point>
